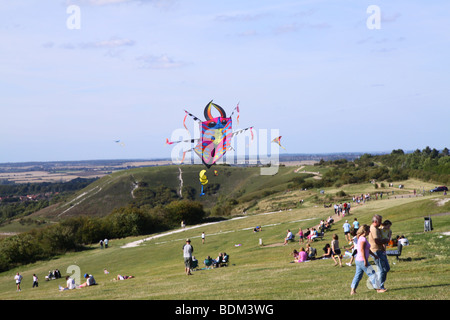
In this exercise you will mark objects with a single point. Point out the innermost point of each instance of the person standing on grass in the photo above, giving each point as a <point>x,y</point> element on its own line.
<point>203,238</point>
<point>347,227</point>
<point>187,255</point>
<point>356,225</point>
<point>377,244</point>
<point>300,235</point>
<point>336,251</point>
<point>35,281</point>
<point>18,277</point>
<point>362,258</point>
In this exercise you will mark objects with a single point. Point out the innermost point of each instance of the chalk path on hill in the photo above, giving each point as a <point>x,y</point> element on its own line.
<point>138,242</point>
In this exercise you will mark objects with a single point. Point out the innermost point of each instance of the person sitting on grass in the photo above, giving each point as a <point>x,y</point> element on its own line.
<point>302,256</point>
<point>314,234</point>
<point>120,277</point>
<point>70,284</point>
<point>208,262</point>
<point>312,252</point>
<point>257,229</point>
<point>289,236</point>
<point>295,254</point>
<point>218,261</point>
<point>90,281</point>
<point>327,252</point>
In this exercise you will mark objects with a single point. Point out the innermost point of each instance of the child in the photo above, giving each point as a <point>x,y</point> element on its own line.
<point>336,250</point>
<point>295,254</point>
<point>300,235</point>
<point>386,232</point>
<point>353,247</point>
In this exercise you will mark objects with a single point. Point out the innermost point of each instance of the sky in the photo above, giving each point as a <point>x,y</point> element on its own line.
<point>328,76</point>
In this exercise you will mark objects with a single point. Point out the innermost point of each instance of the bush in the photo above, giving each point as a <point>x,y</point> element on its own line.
<point>341,193</point>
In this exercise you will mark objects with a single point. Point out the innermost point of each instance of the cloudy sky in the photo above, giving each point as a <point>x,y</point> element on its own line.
<point>322,73</point>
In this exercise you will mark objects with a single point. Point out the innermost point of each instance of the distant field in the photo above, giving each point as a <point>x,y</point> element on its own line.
<point>62,172</point>
<point>45,176</point>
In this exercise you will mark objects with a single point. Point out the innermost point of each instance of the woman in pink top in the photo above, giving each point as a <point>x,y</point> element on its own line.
<point>362,257</point>
<point>302,256</point>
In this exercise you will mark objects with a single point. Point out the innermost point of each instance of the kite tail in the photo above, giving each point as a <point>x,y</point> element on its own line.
<point>202,193</point>
<point>236,109</point>
<point>184,155</point>
<point>168,142</point>
<point>251,141</point>
<point>184,120</point>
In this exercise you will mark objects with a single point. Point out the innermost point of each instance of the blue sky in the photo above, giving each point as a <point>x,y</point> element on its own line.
<point>311,69</point>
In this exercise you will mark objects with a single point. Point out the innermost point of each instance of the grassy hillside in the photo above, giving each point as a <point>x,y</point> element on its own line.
<point>257,272</point>
<point>116,190</point>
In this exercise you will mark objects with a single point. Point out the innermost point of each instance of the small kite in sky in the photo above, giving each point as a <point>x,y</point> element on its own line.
<point>216,134</point>
<point>120,143</point>
<point>278,140</point>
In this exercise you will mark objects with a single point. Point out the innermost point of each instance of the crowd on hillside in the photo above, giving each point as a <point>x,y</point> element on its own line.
<point>363,241</point>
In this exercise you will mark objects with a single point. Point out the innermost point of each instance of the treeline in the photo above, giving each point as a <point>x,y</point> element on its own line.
<point>75,233</point>
<point>427,164</point>
<point>12,206</point>
<point>11,210</point>
<point>44,187</point>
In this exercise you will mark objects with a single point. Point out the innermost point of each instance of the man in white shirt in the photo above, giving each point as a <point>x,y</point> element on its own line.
<point>289,236</point>
<point>18,277</point>
<point>70,284</point>
<point>403,241</point>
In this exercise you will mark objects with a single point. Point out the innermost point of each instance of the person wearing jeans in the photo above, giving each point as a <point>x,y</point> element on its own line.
<point>377,243</point>
<point>362,259</point>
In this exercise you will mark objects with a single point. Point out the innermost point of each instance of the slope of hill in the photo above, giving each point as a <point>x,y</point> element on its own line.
<point>235,184</point>
<point>255,272</point>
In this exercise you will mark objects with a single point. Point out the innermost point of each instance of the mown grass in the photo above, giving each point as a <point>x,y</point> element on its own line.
<point>255,272</point>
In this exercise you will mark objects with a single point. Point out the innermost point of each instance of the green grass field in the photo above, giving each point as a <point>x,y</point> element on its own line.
<point>257,272</point>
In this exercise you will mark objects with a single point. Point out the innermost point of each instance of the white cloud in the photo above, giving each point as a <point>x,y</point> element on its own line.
<point>159,62</point>
<point>109,44</point>
<point>156,3</point>
<point>113,43</point>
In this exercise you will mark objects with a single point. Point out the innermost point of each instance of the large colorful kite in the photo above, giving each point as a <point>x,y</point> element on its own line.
<point>216,134</point>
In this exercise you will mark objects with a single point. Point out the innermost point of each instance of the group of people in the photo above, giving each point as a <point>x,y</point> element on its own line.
<point>372,240</point>
<point>342,209</point>
<point>104,243</point>
<point>221,260</point>
<point>305,254</point>
<point>190,262</point>
<point>70,283</point>
<point>53,275</point>
<point>366,240</point>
